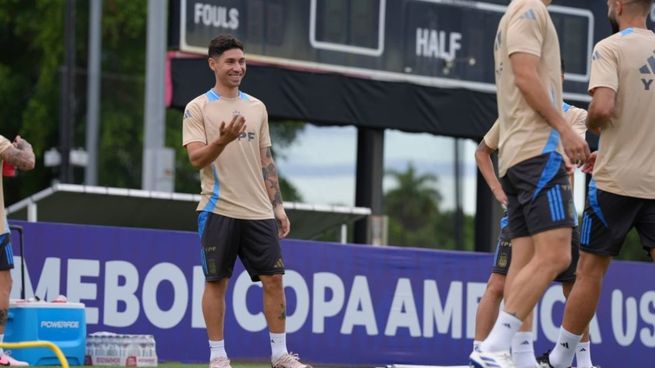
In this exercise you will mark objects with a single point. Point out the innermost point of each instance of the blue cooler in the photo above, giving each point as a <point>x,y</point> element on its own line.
<point>63,324</point>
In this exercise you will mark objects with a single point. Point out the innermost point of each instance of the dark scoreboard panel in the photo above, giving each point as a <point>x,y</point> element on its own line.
<point>444,43</point>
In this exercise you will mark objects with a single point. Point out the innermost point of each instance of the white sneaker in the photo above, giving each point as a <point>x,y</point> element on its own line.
<point>289,361</point>
<point>500,359</point>
<point>220,363</point>
<point>7,360</point>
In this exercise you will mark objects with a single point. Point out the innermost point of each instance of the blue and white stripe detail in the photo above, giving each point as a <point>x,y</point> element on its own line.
<point>593,202</point>
<point>550,170</point>
<point>585,233</point>
<point>556,204</point>
<point>627,31</point>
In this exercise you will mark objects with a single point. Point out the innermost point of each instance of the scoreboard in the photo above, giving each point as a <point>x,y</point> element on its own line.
<point>441,43</point>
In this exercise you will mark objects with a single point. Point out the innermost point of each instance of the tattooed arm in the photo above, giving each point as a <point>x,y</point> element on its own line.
<point>20,154</point>
<point>269,171</point>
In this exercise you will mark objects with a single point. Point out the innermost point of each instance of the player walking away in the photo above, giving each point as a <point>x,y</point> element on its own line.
<point>532,168</point>
<point>19,154</point>
<point>240,212</point>
<point>622,192</point>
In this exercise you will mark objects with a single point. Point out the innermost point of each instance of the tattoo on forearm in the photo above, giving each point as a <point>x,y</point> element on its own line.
<point>269,172</point>
<point>283,313</point>
<point>3,316</point>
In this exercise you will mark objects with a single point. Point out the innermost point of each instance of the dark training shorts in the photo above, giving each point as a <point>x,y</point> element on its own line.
<point>539,194</point>
<point>609,217</point>
<point>223,238</point>
<point>6,253</point>
<point>503,255</point>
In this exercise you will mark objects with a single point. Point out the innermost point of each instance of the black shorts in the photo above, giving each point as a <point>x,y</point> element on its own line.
<point>223,239</point>
<point>609,217</point>
<point>6,253</point>
<point>539,194</point>
<point>503,255</point>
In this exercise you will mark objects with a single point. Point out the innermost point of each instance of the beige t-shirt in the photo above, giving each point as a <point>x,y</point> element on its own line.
<point>625,62</point>
<point>575,116</point>
<point>233,185</point>
<point>526,27</point>
<point>4,144</point>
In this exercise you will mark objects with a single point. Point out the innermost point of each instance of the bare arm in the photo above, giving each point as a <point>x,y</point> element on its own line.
<point>201,154</point>
<point>525,68</point>
<point>271,180</point>
<point>601,108</point>
<point>20,154</point>
<point>483,160</point>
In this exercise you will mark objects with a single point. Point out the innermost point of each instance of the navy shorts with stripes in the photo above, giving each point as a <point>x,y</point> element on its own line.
<point>539,194</point>
<point>6,252</point>
<point>608,218</point>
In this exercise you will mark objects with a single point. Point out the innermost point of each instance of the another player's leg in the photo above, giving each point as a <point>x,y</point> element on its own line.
<point>488,308</point>
<point>523,345</point>
<point>6,264</point>
<point>583,349</point>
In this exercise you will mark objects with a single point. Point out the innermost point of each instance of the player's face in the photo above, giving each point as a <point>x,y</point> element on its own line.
<point>229,68</point>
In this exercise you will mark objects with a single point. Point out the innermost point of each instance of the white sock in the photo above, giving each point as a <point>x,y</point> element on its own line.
<point>523,350</point>
<point>583,355</point>
<point>278,345</point>
<point>562,354</point>
<point>217,349</point>
<point>500,337</point>
<point>476,345</point>
<point>2,338</point>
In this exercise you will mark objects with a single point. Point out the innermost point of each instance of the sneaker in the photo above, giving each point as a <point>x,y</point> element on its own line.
<point>289,361</point>
<point>7,360</point>
<point>500,359</point>
<point>220,363</point>
<point>544,360</point>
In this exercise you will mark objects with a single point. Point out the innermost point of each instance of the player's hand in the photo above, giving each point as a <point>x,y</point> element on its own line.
<point>283,223</point>
<point>568,166</point>
<point>588,166</point>
<point>576,148</point>
<point>232,130</point>
<point>21,144</point>
<point>500,195</point>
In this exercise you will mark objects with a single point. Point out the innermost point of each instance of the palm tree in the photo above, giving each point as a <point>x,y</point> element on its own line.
<point>414,202</point>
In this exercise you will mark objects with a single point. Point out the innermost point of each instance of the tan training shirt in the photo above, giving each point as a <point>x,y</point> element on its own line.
<point>526,27</point>
<point>575,116</point>
<point>233,185</point>
<point>625,63</point>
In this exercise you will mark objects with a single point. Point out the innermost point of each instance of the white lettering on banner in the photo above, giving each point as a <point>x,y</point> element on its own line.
<point>198,288</point>
<point>624,335</point>
<point>60,324</point>
<point>359,311</point>
<point>323,308</point>
<point>297,318</point>
<point>474,291</point>
<point>433,44</point>
<point>443,316</point>
<point>403,310</point>
<point>632,317</point>
<point>216,16</point>
<point>79,291</point>
<point>121,283</point>
<point>248,321</point>
<point>159,273</point>
<point>647,311</point>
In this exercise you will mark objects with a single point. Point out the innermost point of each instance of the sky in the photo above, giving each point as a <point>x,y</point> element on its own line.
<point>321,164</point>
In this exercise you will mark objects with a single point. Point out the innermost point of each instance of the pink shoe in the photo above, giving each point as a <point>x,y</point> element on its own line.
<point>289,361</point>
<point>7,360</point>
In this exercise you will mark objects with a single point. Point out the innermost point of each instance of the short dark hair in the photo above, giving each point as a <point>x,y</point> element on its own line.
<point>222,43</point>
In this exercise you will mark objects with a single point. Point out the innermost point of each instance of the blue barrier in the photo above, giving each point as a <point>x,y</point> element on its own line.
<point>347,304</point>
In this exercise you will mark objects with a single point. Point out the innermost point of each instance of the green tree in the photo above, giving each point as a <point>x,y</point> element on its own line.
<point>412,207</point>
